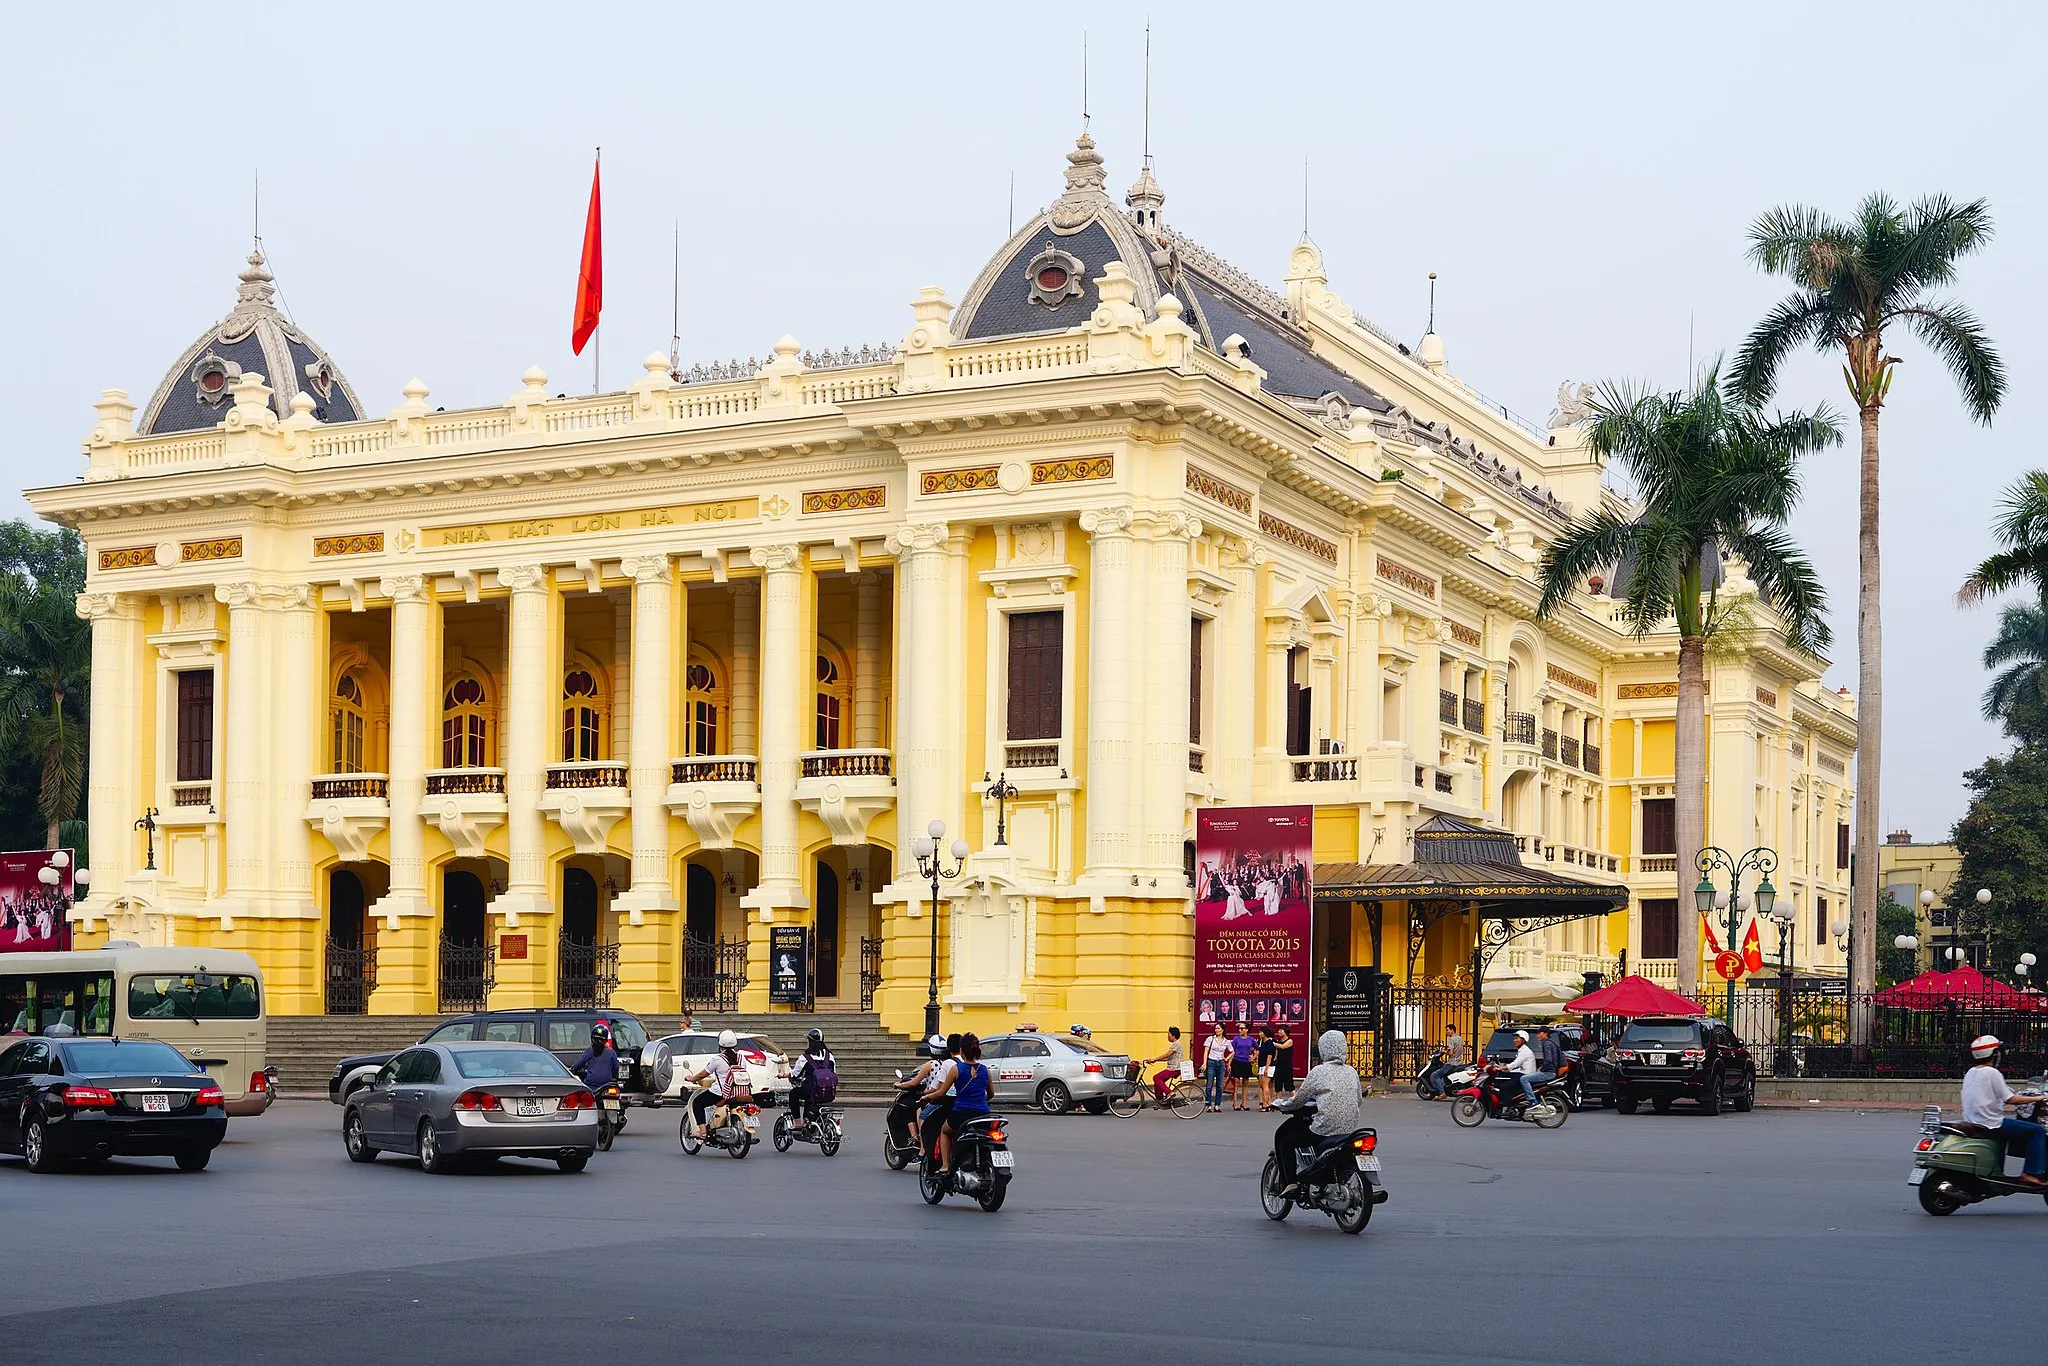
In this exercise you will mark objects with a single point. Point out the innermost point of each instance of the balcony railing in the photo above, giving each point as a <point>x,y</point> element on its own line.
<point>716,768</point>
<point>1418,775</point>
<point>1340,769</point>
<point>343,786</point>
<point>586,773</point>
<point>1444,783</point>
<point>1196,759</point>
<point>191,794</point>
<point>454,782</point>
<point>1568,751</point>
<point>1475,715</point>
<point>1657,863</point>
<point>1447,707</point>
<point>1521,728</point>
<point>1549,744</point>
<point>1031,754</point>
<point>1592,758</point>
<point>846,763</point>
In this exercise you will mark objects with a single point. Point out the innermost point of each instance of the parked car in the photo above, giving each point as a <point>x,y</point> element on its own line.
<point>63,1100</point>
<point>767,1066</point>
<point>563,1031</point>
<point>443,1102</point>
<point>1594,1083</point>
<point>1055,1072</point>
<point>1660,1060</point>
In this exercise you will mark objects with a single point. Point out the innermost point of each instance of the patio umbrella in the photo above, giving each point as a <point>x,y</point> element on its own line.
<point>1964,986</point>
<point>1634,995</point>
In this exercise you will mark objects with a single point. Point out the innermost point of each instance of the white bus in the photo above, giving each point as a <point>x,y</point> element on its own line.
<point>206,1003</point>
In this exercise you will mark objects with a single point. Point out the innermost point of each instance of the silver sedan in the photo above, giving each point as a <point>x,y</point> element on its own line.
<point>1055,1072</point>
<point>444,1102</point>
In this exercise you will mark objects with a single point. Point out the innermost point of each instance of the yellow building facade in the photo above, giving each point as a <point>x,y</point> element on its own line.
<point>505,702</point>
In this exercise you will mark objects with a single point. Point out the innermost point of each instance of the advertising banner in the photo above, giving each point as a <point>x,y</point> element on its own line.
<point>32,915</point>
<point>789,964</point>
<point>1252,943</point>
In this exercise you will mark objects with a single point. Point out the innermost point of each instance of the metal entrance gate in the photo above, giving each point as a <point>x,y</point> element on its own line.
<point>714,971</point>
<point>1416,1019</point>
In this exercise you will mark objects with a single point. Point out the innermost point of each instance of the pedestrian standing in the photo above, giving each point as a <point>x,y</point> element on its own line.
<point>1265,1062</point>
<point>1283,1063</point>
<point>1241,1049</point>
<point>1215,1056</point>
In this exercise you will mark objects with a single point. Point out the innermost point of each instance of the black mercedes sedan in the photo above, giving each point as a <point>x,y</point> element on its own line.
<point>71,1099</point>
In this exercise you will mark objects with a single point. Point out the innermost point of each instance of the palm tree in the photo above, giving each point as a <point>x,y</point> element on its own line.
<point>45,662</point>
<point>2018,695</point>
<point>1851,282</point>
<point>2022,528</point>
<point>1714,476</point>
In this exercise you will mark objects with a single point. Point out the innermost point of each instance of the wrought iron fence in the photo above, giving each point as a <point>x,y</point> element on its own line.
<point>714,971</point>
<point>870,971</point>
<point>468,972</point>
<point>1521,728</point>
<point>1413,1021</point>
<point>586,973</point>
<point>1474,713</point>
<point>1447,706</point>
<point>1549,744</point>
<point>351,977</point>
<point>1822,1033</point>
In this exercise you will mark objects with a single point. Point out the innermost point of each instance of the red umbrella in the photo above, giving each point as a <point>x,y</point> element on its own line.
<point>1634,995</point>
<point>1964,986</point>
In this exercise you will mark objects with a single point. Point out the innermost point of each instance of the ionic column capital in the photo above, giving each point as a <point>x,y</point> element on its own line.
<point>404,587</point>
<point>523,578</point>
<point>647,568</point>
<point>238,596</point>
<point>99,606</point>
<point>1114,519</point>
<point>917,538</point>
<point>775,559</point>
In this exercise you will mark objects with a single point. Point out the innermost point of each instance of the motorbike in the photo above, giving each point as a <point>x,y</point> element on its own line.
<point>729,1126</point>
<point>1496,1093</point>
<point>1455,1080</point>
<point>1959,1164</point>
<point>823,1125</point>
<point>899,1134</point>
<point>982,1165</point>
<point>611,1114</point>
<point>1339,1176</point>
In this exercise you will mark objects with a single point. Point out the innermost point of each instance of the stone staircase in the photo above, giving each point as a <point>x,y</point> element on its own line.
<point>306,1047</point>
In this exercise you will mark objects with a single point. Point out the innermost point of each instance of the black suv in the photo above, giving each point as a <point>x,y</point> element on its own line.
<point>562,1031</point>
<point>1662,1060</point>
<point>1592,1082</point>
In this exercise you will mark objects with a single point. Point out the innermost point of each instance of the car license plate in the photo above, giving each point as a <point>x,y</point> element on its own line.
<point>528,1107</point>
<point>1005,1160</point>
<point>1656,1059</point>
<point>1368,1164</point>
<point>1919,1175</point>
<point>156,1104</point>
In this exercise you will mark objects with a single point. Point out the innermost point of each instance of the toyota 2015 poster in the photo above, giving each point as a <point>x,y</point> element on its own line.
<point>32,915</point>
<point>1252,955</point>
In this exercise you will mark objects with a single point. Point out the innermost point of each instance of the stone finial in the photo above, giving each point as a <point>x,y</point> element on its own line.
<point>116,418</point>
<point>257,284</point>
<point>533,391</point>
<point>1119,294</point>
<point>535,381</point>
<point>252,410</point>
<point>918,350</point>
<point>1085,195</point>
<point>1431,353</point>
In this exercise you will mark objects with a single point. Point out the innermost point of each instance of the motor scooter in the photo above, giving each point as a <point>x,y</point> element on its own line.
<point>1960,1164</point>
<point>982,1164</point>
<point>899,1134</point>
<point>611,1114</point>
<point>1455,1080</point>
<point>1339,1176</point>
<point>1496,1093</point>
<point>730,1125</point>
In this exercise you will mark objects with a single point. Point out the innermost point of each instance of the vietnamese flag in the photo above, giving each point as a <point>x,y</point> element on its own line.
<point>1713,941</point>
<point>1752,950</point>
<point>590,275</point>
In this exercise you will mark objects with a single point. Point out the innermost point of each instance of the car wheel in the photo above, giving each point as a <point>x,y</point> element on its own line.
<point>1937,1198</point>
<point>352,1138</point>
<point>1276,1205</point>
<point>35,1146</point>
<point>1710,1099</point>
<point>1575,1097</point>
<point>1054,1098</point>
<point>194,1160</point>
<point>1625,1104</point>
<point>1662,1105</point>
<point>1746,1101</point>
<point>573,1162</point>
<point>1097,1106</point>
<point>432,1159</point>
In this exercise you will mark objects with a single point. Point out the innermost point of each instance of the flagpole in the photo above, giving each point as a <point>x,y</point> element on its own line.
<point>597,333</point>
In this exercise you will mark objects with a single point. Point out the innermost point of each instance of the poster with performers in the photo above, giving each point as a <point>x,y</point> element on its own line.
<point>32,915</point>
<point>1252,943</point>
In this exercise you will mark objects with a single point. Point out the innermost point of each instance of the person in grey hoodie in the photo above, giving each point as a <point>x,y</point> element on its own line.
<point>1332,1085</point>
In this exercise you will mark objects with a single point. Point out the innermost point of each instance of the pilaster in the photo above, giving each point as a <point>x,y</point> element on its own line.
<point>113,797</point>
<point>415,688</point>
<point>786,674</point>
<point>920,670</point>
<point>1113,684</point>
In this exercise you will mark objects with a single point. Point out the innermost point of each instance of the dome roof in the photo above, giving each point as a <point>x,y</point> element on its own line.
<point>254,337</point>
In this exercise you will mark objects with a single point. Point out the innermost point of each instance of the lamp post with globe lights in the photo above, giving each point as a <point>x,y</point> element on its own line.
<point>1708,898</point>
<point>2023,968</point>
<point>930,865</point>
<point>1782,914</point>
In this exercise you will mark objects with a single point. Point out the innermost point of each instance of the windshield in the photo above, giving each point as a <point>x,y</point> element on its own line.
<point>1076,1042</point>
<point>113,1059</point>
<point>192,996</point>
<point>484,1063</point>
<point>626,1032</point>
<point>1662,1034</point>
<point>689,1045</point>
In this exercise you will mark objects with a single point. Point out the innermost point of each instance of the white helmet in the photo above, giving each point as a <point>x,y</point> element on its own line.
<point>728,1039</point>
<point>1983,1046</point>
<point>936,1045</point>
<point>1522,1034</point>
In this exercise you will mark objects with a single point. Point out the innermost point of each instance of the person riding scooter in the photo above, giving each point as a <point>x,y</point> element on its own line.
<point>1333,1087</point>
<point>726,1078</point>
<point>599,1065</point>
<point>1986,1098</point>
<point>813,1072</point>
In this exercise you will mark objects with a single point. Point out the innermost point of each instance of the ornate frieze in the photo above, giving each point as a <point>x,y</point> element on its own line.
<point>1767,697</point>
<point>1638,692</point>
<point>846,500</point>
<point>1580,682</point>
<point>1208,486</point>
<point>1074,470</point>
<point>1463,634</point>
<point>354,543</point>
<point>1302,539</point>
<point>128,557</point>
<point>1394,572</point>
<point>215,548</point>
<point>965,480</point>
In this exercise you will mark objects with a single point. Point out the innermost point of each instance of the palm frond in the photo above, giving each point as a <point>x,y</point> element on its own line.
<point>1938,232</point>
<point>1792,323</point>
<point>1593,543</point>
<point>1960,342</point>
<point>1788,581</point>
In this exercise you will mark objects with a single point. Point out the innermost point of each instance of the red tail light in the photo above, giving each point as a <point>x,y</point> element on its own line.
<point>89,1098</point>
<point>1693,1054</point>
<point>1925,1145</point>
<point>259,1082</point>
<point>1090,1065</point>
<point>208,1095</point>
<point>754,1056</point>
<point>576,1100</point>
<point>1367,1143</point>
<point>1625,1054</point>
<point>996,1136</point>
<point>478,1100</point>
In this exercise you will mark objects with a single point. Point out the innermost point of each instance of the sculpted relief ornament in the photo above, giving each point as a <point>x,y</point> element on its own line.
<point>1573,408</point>
<point>915,538</point>
<point>1113,520</point>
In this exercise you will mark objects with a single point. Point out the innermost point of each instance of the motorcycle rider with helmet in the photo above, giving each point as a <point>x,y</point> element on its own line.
<point>911,1088</point>
<point>815,1054</point>
<point>1986,1098</point>
<point>936,1099</point>
<point>727,1081</point>
<point>599,1065</point>
<point>1334,1086</point>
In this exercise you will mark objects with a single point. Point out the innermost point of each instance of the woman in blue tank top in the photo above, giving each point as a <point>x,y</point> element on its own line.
<point>970,1092</point>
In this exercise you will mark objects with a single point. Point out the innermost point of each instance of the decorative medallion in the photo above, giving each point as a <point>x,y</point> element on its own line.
<point>358,543</point>
<point>959,481</point>
<point>1287,533</point>
<point>1572,680</point>
<point>1464,634</point>
<point>1637,692</point>
<point>1072,471</point>
<point>774,505</point>
<point>219,548</point>
<point>128,557</point>
<point>846,500</point>
<point>1055,276</point>
<point>1767,697</point>
<point>1217,491</point>
<point>1393,571</point>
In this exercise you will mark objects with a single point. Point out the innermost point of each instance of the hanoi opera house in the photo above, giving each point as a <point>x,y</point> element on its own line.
<point>563,695</point>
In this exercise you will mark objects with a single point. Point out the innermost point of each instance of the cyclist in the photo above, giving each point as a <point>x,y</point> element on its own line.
<point>1172,1057</point>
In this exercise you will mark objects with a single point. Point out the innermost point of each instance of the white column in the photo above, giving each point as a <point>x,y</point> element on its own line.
<point>1164,721</point>
<point>415,689</point>
<point>653,675</point>
<point>1235,655</point>
<point>115,750</point>
<point>920,671</point>
<point>296,701</point>
<point>1113,678</point>
<point>869,635</point>
<point>746,676</point>
<point>243,813</point>
<point>1426,681</point>
<point>529,716</point>
<point>787,672</point>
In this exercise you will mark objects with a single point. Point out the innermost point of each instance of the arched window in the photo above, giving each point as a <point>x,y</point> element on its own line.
<point>465,725</point>
<point>346,713</point>
<point>582,722</point>
<point>702,693</point>
<point>832,703</point>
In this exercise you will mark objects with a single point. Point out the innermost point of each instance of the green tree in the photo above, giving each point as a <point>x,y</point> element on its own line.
<point>2017,697</point>
<point>1713,475</point>
<point>2003,840</point>
<point>1853,283</point>
<point>2022,529</point>
<point>1893,920</point>
<point>45,667</point>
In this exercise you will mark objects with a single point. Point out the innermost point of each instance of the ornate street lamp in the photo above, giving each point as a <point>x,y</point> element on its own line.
<point>1707,898</point>
<point>1782,914</point>
<point>1000,792</point>
<point>929,866</point>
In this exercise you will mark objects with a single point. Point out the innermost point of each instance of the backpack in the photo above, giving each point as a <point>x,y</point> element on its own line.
<point>824,1080</point>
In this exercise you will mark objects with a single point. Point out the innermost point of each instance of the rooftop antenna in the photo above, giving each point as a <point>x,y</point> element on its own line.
<point>1304,197</point>
<point>256,212</point>
<point>1432,302</point>
<point>1013,203</point>
<point>1148,92</point>
<point>1084,82</point>
<point>1688,349</point>
<point>675,306</point>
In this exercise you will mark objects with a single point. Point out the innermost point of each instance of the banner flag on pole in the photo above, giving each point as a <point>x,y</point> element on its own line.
<point>590,274</point>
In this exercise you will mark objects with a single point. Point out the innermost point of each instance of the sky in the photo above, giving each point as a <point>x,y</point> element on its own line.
<point>1581,179</point>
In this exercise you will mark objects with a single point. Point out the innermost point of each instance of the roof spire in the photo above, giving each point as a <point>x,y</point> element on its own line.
<point>1145,197</point>
<point>1085,179</point>
<point>256,286</point>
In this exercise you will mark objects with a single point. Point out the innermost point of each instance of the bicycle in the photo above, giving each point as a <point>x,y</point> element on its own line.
<point>1183,1096</point>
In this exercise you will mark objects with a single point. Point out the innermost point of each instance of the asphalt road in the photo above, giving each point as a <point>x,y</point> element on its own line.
<point>1773,1236</point>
